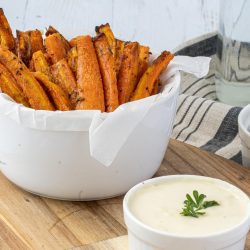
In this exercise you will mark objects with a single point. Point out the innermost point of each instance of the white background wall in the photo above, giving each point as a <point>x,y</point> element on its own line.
<point>162,24</point>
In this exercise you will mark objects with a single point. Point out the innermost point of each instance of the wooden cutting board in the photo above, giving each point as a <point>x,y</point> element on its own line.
<point>31,222</point>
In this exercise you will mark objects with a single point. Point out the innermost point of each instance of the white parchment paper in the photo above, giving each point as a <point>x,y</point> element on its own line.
<point>107,131</point>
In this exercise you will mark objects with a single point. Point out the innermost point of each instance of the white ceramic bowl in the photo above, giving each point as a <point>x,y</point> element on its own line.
<point>143,237</point>
<point>244,132</point>
<point>58,164</point>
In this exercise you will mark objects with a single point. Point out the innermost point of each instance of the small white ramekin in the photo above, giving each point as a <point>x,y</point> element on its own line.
<point>143,237</point>
<point>244,132</point>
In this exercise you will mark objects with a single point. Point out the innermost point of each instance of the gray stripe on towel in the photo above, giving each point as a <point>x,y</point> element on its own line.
<point>226,132</point>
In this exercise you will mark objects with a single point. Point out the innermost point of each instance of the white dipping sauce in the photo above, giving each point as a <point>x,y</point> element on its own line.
<point>159,206</point>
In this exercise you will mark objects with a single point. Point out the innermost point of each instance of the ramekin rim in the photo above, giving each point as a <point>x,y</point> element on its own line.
<point>242,114</point>
<point>179,236</point>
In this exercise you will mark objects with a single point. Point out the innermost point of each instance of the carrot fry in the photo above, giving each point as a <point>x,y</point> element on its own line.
<point>119,54</point>
<point>28,42</point>
<point>127,77</point>
<point>36,41</point>
<point>147,81</point>
<point>23,46</point>
<point>40,63</point>
<point>65,78</point>
<point>107,67</point>
<point>84,73</point>
<point>157,85</point>
<point>48,59</point>
<point>56,47</point>
<point>6,37</point>
<point>89,81</point>
<point>58,96</point>
<point>106,30</point>
<point>51,30</point>
<point>73,41</point>
<point>9,86</point>
<point>24,78</point>
<point>143,60</point>
<point>72,59</point>
<point>31,66</point>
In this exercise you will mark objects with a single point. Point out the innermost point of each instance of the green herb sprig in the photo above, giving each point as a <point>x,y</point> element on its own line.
<point>194,206</point>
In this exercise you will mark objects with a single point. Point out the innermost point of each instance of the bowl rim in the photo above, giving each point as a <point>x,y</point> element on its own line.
<point>78,120</point>
<point>133,218</point>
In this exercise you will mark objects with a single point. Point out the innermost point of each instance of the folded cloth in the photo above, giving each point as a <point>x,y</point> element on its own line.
<point>201,120</point>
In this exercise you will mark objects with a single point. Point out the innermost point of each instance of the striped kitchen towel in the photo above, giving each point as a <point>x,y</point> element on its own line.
<point>201,120</point>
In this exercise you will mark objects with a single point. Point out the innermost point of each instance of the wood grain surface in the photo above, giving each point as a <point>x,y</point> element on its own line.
<point>31,222</point>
